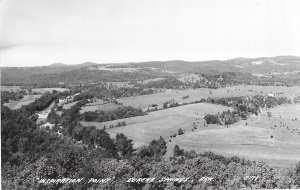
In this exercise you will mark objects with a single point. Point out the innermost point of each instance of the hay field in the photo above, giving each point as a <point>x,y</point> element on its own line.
<point>69,105</point>
<point>10,88</point>
<point>197,94</point>
<point>24,101</point>
<point>286,111</point>
<point>143,129</point>
<point>151,80</point>
<point>104,107</point>
<point>44,90</point>
<point>275,141</point>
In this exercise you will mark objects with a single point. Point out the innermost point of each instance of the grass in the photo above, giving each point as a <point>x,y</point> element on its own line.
<point>104,107</point>
<point>274,140</point>
<point>69,105</point>
<point>10,88</point>
<point>151,80</point>
<point>250,139</point>
<point>287,111</point>
<point>24,101</point>
<point>44,90</point>
<point>143,129</point>
<point>198,94</point>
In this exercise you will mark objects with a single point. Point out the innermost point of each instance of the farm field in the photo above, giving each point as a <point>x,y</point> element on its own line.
<point>44,90</point>
<point>10,88</point>
<point>24,101</point>
<point>273,140</point>
<point>197,94</point>
<point>287,111</point>
<point>119,84</point>
<point>104,107</point>
<point>69,105</point>
<point>143,129</point>
<point>150,80</point>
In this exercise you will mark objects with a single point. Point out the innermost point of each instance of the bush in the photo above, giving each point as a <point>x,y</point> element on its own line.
<point>180,131</point>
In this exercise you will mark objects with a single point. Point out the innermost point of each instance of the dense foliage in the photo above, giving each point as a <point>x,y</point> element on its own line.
<point>119,113</point>
<point>6,96</point>
<point>243,107</point>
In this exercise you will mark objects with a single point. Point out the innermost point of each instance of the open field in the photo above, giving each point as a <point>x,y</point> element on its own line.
<point>103,107</point>
<point>287,111</point>
<point>44,114</point>
<point>275,141</point>
<point>44,90</point>
<point>10,88</point>
<point>24,101</point>
<point>69,105</point>
<point>119,84</point>
<point>151,80</point>
<point>143,129</point>
<point>197,94</point>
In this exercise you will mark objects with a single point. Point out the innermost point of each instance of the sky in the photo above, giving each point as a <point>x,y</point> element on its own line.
<point>43,32</point>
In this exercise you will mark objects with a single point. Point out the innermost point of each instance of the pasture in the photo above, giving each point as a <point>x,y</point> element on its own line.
<point>275,141</point>
<point>286,111</point>
<point>151,80</point>
<point>10,88</point>
<point>197,94</point>
<point>24,101</point>
<point>143,129</point>
<point>119,84</point>
<point>44,90</point>
<point>104,107</point>
<point>69,105</point>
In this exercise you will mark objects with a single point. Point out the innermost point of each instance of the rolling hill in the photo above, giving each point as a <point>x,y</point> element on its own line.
<point>281,67</point>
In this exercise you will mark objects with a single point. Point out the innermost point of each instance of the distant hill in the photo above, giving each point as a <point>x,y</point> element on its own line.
<point>282,66</point>
<point>57,65</point>
<point>261,65</point>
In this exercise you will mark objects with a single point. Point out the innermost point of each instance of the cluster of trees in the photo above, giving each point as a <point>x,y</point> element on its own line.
<point>212,119</point>
<point>6,96</point>
<point>243,106</point>
<point>224,118</point>
<point>39,104</point>
<point>119,124</point>
<point>83,96</point>
<point>168,83</point>
<point>217,79</point>
<point>119,113</point>
<point>170,104</point>
<point>102,91</point>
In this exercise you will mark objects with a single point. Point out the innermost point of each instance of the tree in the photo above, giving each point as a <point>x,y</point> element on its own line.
<point>124,145</point>
<point>158,147</point>
<point>180,131</point>
<point>297,174</point>
<point>269,114</point>
<point>53,117</point>
<point>177,151</point>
